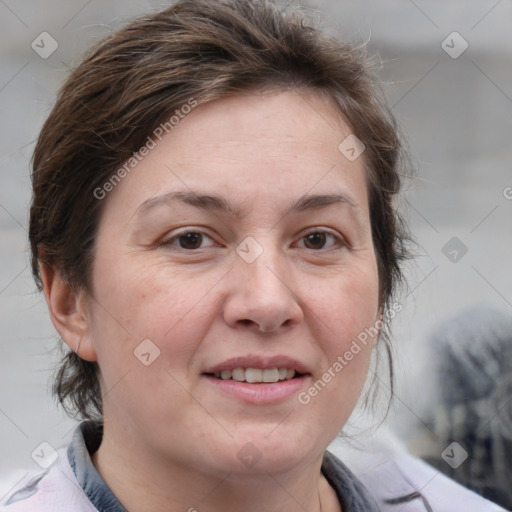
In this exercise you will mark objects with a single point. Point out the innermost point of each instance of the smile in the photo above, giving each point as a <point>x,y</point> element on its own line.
<point>256,375</point>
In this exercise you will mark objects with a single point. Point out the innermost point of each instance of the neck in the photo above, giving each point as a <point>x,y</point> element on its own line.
<point>144,482</point>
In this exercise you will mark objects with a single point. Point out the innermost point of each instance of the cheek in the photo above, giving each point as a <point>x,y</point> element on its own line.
<point>149,302</point>
<point>346,305</point>
<point>146,307</point>
<point>346,311</point>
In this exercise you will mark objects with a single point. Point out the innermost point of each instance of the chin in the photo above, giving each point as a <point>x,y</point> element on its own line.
<point>267,451</point>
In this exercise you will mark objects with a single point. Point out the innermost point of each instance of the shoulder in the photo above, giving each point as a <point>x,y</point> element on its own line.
<point>52,490</point>
<point>395,478</point>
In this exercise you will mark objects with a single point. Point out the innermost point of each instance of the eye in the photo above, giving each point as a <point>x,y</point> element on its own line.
<point>188,240</point>
<point>317,240</point>
<point>192,240</point>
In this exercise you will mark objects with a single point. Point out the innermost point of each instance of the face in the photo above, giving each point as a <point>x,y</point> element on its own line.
<point>242,240</point>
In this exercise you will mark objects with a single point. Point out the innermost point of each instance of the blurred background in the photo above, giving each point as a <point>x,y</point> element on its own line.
<point>445,67</point>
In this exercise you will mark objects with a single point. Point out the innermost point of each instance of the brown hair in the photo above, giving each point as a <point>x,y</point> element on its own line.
<point>134,79</point>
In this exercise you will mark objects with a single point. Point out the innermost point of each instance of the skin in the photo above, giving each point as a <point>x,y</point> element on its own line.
<point>171,438</point>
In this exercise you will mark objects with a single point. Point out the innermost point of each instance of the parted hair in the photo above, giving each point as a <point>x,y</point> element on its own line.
<point>132,80</point>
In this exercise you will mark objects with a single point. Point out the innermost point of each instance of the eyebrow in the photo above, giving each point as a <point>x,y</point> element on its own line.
<point>222,205</point>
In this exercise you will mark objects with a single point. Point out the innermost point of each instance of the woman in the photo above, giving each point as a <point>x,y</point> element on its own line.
<point>213,228</point>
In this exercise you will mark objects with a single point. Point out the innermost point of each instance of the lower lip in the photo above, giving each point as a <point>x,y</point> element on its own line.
<point>259,393</point>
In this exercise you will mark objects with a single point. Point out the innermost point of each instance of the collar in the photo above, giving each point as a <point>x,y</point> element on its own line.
<point>86,440</point>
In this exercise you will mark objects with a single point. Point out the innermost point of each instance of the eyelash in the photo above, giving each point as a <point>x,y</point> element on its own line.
<point>169,242</point>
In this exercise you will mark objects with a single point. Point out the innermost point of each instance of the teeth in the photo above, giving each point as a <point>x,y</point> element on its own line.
<point>253,375</point>
<point>270,375</point>
<point>239,374</point>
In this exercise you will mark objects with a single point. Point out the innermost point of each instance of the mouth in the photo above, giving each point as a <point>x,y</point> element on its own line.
<point>258,380</point>
<point>257,375</point>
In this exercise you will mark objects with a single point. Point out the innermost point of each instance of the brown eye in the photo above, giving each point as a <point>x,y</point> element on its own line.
<point>189,240</point>
<point>321,240</point>
<point>315,240</point>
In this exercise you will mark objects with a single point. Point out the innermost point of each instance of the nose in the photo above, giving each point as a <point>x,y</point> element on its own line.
<point>262,294</point>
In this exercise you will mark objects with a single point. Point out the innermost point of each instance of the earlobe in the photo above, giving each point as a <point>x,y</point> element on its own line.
<point>69,312</point>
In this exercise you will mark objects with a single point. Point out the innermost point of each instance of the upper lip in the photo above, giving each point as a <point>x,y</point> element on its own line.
<point>253,361</point>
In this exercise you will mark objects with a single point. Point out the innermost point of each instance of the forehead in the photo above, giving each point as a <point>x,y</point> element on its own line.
<point>268,148</point>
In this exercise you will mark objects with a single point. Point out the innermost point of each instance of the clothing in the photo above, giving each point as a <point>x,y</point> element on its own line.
<point>72,483</point>
<point>400,482</point>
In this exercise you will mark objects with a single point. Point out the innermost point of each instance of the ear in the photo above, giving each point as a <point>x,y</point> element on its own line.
<point>69,313</point>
